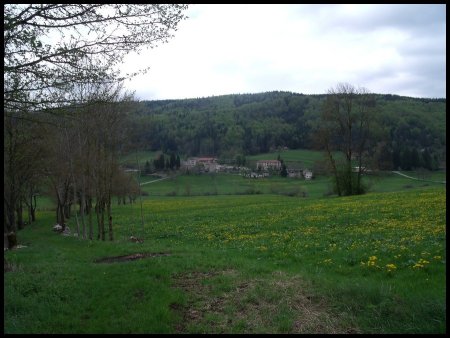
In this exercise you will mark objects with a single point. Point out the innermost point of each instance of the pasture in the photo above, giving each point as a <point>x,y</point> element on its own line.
<point>255,263</point>
<point>228,184</point>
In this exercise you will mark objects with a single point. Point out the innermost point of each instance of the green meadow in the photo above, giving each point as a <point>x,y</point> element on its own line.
<point>228,184</point>
<point>232,255</point>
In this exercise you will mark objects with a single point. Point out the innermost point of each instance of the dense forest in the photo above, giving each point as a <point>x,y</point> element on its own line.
<point>410,131</point>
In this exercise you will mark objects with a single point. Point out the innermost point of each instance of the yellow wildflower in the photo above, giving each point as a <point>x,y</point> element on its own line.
<point>391,267</point>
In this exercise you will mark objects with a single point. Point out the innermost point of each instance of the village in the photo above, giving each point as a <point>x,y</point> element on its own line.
<point>263,168</point>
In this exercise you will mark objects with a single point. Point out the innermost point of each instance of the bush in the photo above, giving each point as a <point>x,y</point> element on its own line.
<point>172,193</point>
<point>346,187</point>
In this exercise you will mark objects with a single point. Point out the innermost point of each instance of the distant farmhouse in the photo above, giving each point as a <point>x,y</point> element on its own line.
<point>207,164</point>
<point>211,165</point>
<point>298,173</point>
<point>307,174</point>
<point>294,173</point>
<point>268,164</point>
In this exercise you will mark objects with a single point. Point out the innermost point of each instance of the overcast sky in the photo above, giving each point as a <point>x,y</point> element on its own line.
<point>231,49</point>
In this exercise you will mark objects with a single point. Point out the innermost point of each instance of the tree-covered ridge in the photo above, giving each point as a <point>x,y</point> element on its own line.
<point>247,124</point>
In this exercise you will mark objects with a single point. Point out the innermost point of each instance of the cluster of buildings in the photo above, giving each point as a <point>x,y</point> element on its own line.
<point>208,165</point>
<point>263,168</point>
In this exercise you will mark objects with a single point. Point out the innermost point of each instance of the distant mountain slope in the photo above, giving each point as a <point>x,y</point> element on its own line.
<point>247,124</point>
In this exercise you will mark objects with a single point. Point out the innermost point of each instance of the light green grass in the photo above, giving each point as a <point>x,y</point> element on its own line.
<point>295,157</point>
<point>142,156</point>
<point>228,184</point>
<point>240,264</point>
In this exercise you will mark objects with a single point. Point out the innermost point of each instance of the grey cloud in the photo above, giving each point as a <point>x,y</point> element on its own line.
<point>416,17</point>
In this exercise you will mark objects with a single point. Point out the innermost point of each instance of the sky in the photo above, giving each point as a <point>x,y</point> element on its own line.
<point>230,49</point>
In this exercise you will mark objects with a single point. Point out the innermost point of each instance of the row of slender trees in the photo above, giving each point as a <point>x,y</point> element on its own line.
<point>73,155</point>
<point>64,106</point>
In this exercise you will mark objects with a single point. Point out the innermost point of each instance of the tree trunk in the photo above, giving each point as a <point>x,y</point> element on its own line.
<point>12,240</point>
<point>33,210</point>
<point>102,219</point>
<point>20,224</point>
<point>91,228</point>
<point>97,213</point>
<point>67,208</point>
<point>78,225</point>
<point>62,219</point>
<point>82,205</point>
<point>111,237</point>
<point>11,224</point>
<point>333,166</point>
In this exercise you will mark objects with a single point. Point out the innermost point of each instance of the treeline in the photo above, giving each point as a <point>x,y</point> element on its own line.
<point>171,162</point>
<point>72,154</point>
<point>64,112</point>
<point>247,124</point>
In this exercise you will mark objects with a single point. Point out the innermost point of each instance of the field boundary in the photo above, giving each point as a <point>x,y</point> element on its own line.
<point>418,179</point>
<point>164,178</point>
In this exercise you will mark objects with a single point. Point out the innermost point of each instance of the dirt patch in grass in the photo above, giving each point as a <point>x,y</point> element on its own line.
<point>132,257</point>
<point>276,304</point>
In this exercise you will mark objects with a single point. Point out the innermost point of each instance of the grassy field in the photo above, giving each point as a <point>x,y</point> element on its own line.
<point>141,156</point>
<point>227,184</point>
<point>301,155</point>
<point>256,263</point>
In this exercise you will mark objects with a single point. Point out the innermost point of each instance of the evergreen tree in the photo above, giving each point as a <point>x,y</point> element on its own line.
<point>415,159</point>
<point>147,168</point>
<point>172,162</point>
<point>178,162</point>
<point>406,162</point>
<point>396,159</point>
<point>283,172</point>
<point>159,162</point>
<point>426,159</point>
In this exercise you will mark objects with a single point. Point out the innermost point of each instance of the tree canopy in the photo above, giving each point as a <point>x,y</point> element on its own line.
<point>248,124</point>
<point>50,46</point>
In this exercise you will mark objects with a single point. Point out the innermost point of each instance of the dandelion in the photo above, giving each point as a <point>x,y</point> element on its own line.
<point>420,264</point>
<point>391,267</point>
<point>372,261</point>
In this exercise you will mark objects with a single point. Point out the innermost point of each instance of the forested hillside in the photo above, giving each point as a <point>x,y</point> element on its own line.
<point>409,129</point>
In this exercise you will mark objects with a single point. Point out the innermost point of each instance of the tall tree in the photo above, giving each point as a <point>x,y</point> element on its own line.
<point>345,127</point>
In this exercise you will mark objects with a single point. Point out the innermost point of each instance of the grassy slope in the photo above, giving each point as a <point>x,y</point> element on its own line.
<point>260,263</point>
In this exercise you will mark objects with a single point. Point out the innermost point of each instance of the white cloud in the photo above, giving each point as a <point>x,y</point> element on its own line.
<point>225,49</point>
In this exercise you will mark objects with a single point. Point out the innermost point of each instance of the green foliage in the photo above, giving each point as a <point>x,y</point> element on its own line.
<point>283,172</point>
<point>250,124</point>
<point>348,183</point>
